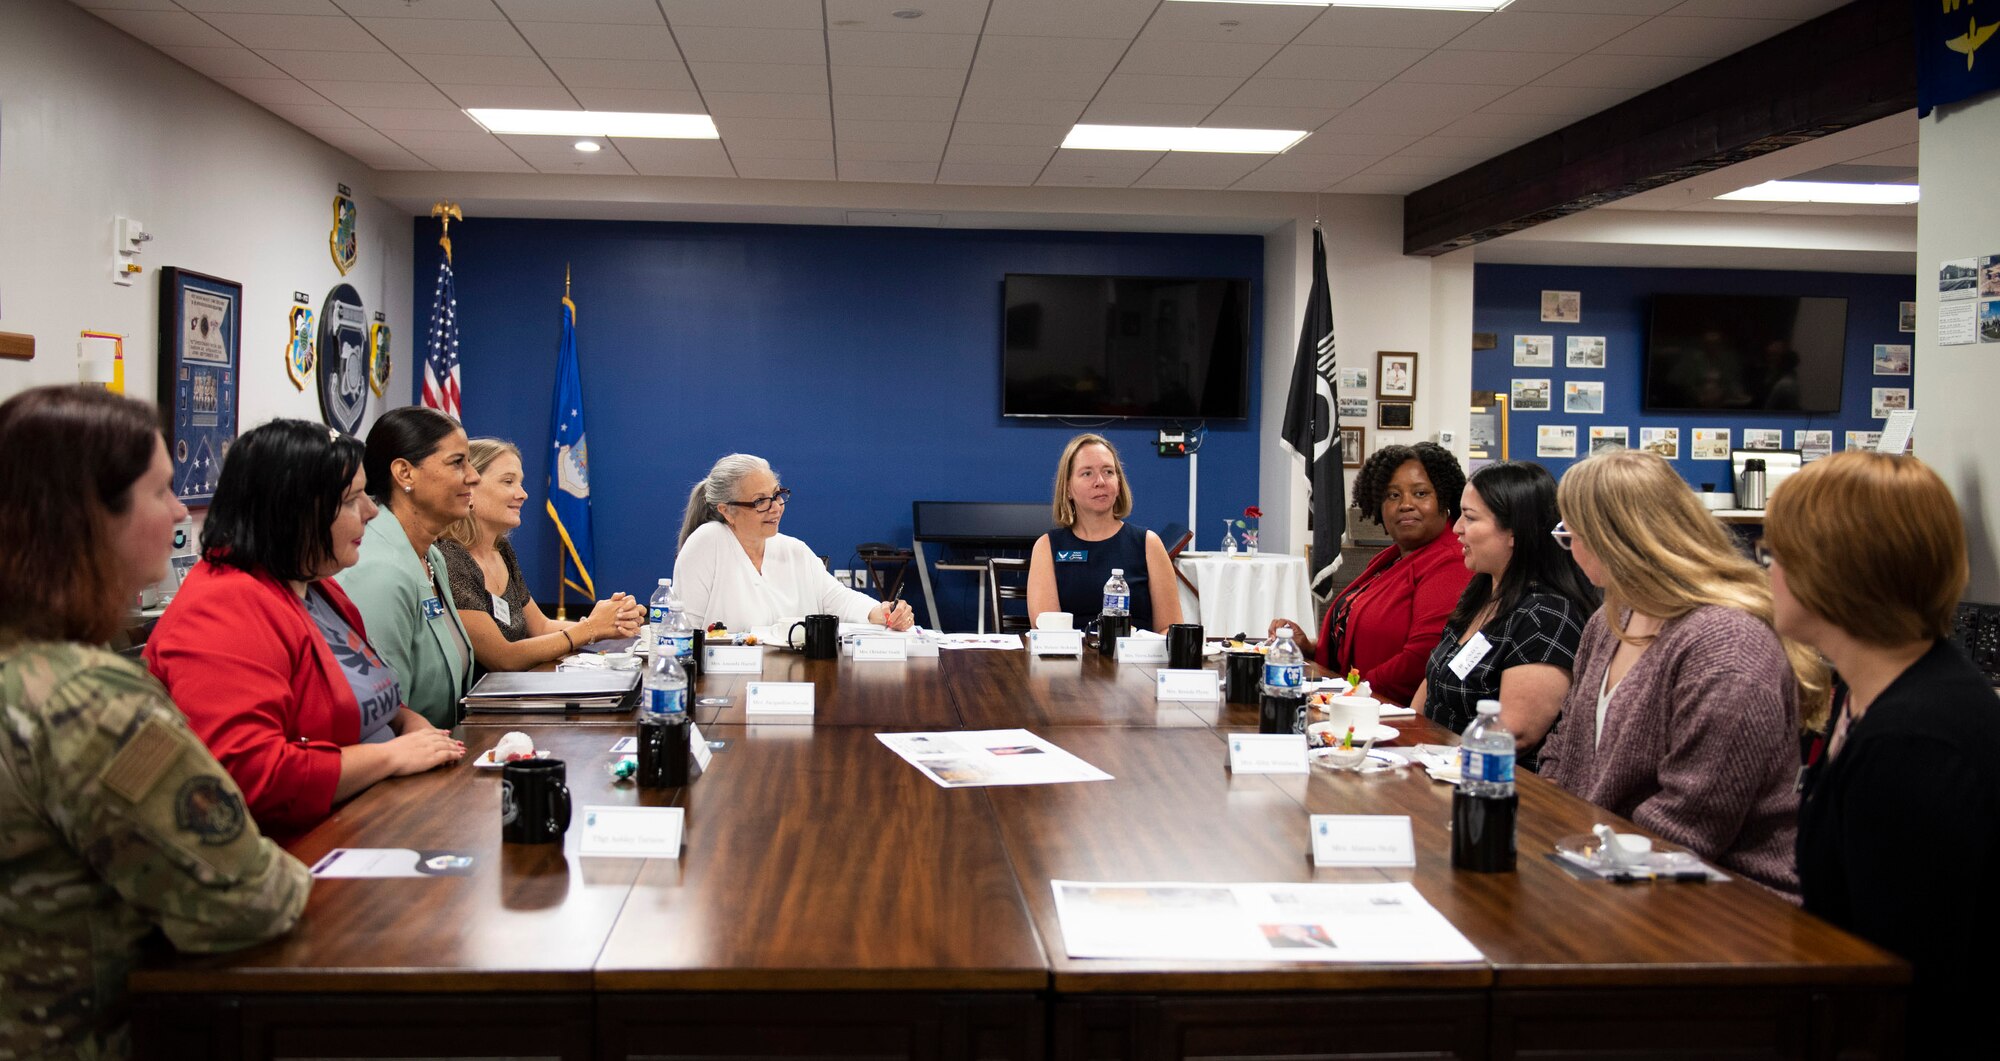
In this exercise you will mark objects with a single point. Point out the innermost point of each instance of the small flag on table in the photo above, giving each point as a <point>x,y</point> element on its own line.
<point>1312,426</point>
<point>569,464</point>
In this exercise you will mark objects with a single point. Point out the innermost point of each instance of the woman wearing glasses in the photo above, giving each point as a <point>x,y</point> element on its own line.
<point>1867,556</point>
<point>734,567</point>
<point>1684,715</point>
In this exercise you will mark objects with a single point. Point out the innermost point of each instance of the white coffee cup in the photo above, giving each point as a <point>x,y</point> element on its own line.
<point>1055,621</point>
<point>1361,712</point>
<point>1630,849</point>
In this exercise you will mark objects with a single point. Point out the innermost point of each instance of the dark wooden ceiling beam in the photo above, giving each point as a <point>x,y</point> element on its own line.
<point>1843,69</point>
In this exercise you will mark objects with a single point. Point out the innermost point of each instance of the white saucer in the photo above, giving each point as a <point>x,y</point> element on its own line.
<point>487,762</point>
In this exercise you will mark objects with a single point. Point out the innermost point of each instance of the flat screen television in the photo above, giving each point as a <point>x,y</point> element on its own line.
<point>1745,353</point>
<point>1100,347</point>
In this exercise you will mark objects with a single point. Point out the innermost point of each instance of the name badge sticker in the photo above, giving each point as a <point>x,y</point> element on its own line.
<point>1469,656</point>
<point>1362,840</point>
<point>502,614</point>
<point>433,609</point>
<point>1072,556</point>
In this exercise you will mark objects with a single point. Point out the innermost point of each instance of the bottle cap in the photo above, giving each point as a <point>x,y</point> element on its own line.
<point>1489,707</point>
<point>664,581</point>
<point>1285,632</point>
<point>1117,572</point>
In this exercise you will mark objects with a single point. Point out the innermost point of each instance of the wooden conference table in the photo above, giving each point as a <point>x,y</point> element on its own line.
<point>831,901</point>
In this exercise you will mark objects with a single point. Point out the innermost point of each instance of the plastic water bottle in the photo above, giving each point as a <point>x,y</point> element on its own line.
<point>666,688</point>
<point>1117,595</point>
<point>679,633</point>
<point>1281,708</point>
<point>1484,805</point>
<point>657,608</point>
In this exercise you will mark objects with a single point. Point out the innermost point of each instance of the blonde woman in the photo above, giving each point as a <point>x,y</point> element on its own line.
<point>1070,564</point>
<point>1685,710</point>
<point>506,627</point>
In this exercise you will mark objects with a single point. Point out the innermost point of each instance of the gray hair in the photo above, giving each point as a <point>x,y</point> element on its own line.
<point>720,486</point>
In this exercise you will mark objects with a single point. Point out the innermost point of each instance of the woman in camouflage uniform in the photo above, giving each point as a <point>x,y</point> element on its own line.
<point>114,819</point>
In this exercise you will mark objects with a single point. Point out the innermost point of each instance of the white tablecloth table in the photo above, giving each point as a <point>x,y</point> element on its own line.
<point>1245,592</point>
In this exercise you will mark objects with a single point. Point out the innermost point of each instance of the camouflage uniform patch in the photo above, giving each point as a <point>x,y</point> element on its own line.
<point>208,809</point>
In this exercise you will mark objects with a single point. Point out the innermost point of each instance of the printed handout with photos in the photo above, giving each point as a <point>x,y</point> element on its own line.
<point>1531,395</point>
<point>1555,440</point>
<point>1179,921</point>
<point>1867,440</point>
<point>1958,309</point>
<point>1353,379</point>
<point>1562,307</point>
<point>1885,400</point>
<point>1353,408</point>
<point>978,758</point>
<point>1892,359</point>
<point>1812,445</point>
<point>1585,351</point>
<point>1763,438</point>
<point>1665,441</point>
<point>1607,438</point>
<point>1711,444</point>
<point>1534,351</point>
<point>1581,396</point>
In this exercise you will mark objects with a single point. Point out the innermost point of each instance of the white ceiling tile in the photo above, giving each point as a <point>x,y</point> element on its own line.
<point>261,7</point>
<point>583,40</point>
<point>930,134</point>
<point>1407,97</point>
<point>601,12</point>
<point>1342,64</point>
<point>1031,135</point>
<point>1348,143</point>
<point>1895,156</point>
<point>646,100</point>
<point>948,51</point>
<point>1590,7</point>
<point>793,169</point>
<point>371,67</point>
<point>1383,122</point>
<point>518,97</point>
<point>622,73</point>
<point>900,172</point>
<point>994,83</point>
<point>895,108</point>
<point>724,44</point>
<point>418,119</point>
<point>1196,57</point>
<point>1018,111</point>
<point>524,70</point>
<point>1793,9</point>
<point>1465,67</point>
<point>1181,169</point>
<point>1430,170</point>
<point>447,37</point>
<point>128,5</point>
<point>226,62</point>
<point>676,158</point>
<point>1621,71</point>
<point>1052,55</point>
<point>776,128</point>
<point>1466,149</point>
<point>954,16</point>
<point>316,116</point>
<point>1536,31</point>
<point>500,160</point>
<point>1231,116</point>
<point>477,10</point>
<point>1265,181</point>
<point>1071,177</point>
<point>319,32</point>
<point>421,141</point>
<point>1325,168</point>
<point>768,104</point>
<point>1707,38</point>
<point>1374,28</point>
<point>1527,126</point>
<point>1133,112</point>
<point>896,81</point>
<point>273,90</point>
<point>878,151</point>
<point>1558,99</point>
<point>990,173</point>
<point>1299,92</point>
<point>773,14</point>
<point>382,94</point>
<point>542,152</point>
<point>358,140</point>
<point>999,154</point>
<point>759,77</point>
<point>1253,23</point>
<point>1117,19</point>
<point>1164,88</point>
<point>167,29</point>
<point>1378,185</point>
<point>741,148</point>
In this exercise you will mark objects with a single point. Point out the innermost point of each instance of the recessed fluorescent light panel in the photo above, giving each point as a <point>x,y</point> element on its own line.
<point>1826,192</point>
<point>1407,5</point>
<point>596,123</point>
<point>1172,138</point>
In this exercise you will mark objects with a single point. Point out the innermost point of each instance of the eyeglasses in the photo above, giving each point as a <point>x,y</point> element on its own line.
<point>1762,554</point>
<point>763,504</point>
<point>1563,536</point>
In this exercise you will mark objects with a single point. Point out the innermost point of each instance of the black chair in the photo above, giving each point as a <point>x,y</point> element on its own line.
<point>1007,580</point>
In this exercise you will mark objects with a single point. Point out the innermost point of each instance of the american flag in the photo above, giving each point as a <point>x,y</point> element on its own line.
<point>441,375</point>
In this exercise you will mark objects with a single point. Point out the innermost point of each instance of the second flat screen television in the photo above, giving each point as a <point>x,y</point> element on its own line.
<point>1771,353</point>
<point>1096,347</point>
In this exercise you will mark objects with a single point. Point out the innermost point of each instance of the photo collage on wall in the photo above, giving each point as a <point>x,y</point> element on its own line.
<point>1968,294</point>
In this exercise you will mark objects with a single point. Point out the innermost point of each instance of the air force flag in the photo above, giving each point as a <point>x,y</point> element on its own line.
<point>569,465</point>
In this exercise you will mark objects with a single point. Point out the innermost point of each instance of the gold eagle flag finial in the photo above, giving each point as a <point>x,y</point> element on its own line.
<point>449,212</point>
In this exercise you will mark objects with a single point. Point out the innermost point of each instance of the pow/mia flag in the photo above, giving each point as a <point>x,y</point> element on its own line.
<point>1312,427</point>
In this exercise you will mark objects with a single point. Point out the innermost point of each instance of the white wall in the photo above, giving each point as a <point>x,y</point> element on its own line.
<point>1959,218</point>
<point>94,124</point>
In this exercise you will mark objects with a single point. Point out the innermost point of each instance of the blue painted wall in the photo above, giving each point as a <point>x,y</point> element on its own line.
<point>863,363</point>
<point>1616,305</point>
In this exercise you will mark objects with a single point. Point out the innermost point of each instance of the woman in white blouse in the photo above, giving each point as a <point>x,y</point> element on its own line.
<point>734,567</point>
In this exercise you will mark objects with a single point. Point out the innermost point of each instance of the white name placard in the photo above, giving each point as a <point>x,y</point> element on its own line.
<point>1056,642</point>
<point>1189,686</point>
<point>702,754</point>
<point>1362,840</point>
<point>631,832</point>
<point>733,659</point>
<point>779,698</point>
<point>1267,753</point>
<point>1142,650</point>
<point>895,649</point>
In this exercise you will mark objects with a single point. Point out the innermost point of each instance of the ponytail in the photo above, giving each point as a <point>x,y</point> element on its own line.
<point>720,486</point>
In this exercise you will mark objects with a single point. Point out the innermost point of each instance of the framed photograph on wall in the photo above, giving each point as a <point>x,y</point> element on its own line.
<point>201,366</point>
<point>1395,374</point>
<point>1353,445</point>
<point>1395,416</point>
<point>1562,307</point>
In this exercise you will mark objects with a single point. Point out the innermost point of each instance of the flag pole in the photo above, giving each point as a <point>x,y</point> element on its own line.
<point>562,555</point>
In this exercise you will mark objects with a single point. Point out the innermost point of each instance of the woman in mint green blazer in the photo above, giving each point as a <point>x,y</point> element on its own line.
<point>420,473</point>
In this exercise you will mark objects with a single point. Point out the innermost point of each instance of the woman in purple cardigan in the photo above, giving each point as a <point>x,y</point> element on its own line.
<point>1684,714</point>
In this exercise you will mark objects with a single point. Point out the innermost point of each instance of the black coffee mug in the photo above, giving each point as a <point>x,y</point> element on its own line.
<point>1109,629</point>
<point>663,751</point>
<point>1245,672</point>
<point>822,635</point>
<point>694,660</point>
<point>1184,645</point>
<point>534,801</point>
<point>1280,713</point>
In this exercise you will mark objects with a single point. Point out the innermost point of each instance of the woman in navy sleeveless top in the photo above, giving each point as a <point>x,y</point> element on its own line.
<point>1070,564</point>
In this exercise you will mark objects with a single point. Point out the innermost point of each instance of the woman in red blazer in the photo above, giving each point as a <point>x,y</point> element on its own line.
<point>1387,621</point>
<point>267,657</point>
